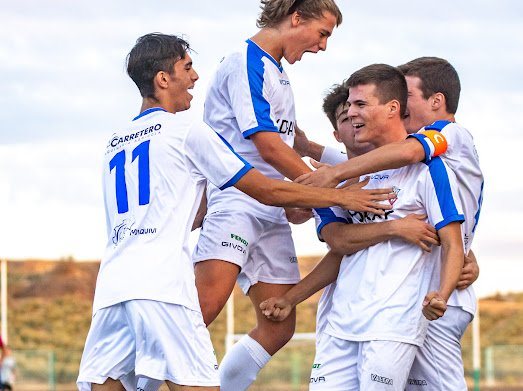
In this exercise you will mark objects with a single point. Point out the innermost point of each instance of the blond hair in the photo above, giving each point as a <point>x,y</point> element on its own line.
<point>274,11</point>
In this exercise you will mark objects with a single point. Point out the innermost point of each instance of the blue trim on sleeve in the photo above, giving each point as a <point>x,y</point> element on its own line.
<point>149,111</point>
<point>232,149</point>
<point>440,179</point>
<point>449,220</point>
<point>422,139</point>
<point>327,216</point>
<point>257,129</point>
<point>237,177</point>
<point>480,202</point>
<point>438,125</point>
<point>255,73</point>
<point>239,174</point>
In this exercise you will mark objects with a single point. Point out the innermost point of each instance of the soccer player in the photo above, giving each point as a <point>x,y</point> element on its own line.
<point>413,228</point>
<point>250,103</point>
<point>376,323</point>
<point>147,325</point>
<point>434,91</point>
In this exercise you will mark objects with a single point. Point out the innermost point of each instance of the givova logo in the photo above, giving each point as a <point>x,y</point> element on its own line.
<point>381,379</point>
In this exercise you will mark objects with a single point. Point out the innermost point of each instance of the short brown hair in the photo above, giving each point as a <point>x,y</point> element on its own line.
<point>337,96</point>
<point>389,81</point>
<point>436,75</point>
<point>274,11</point>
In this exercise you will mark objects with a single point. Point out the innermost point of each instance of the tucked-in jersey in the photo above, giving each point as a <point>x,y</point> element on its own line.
<point>380,290</point>
<point>154,175</point>
<point>462,158</point>
<point>249,93</point>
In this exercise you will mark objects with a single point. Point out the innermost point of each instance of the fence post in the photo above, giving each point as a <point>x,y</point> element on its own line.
<point>51,370</point>
<point>489,366</point>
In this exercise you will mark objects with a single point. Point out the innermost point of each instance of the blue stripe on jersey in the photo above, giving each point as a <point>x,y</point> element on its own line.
<point>255,71</point>
<point>232,150</point>
<point>239,174</point>
<point>149,111</point>
<point>440,179</point>
<point>327,216</point>
<point>423,140</point>
<point>480,202</point>
<point>438,125</point>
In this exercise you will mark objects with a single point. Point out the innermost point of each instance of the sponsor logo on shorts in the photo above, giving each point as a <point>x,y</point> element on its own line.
<point>284,82</point>
<point>417,382</point>
<point>234,246</point>
<point>293,259</point>
<point>316,366</point>
<point>381,379</point>
<point>239,239</point>
<point>319,379</point>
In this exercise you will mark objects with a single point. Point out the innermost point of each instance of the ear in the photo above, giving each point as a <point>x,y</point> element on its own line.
<point>394,107</point>
<point>337,136</point>
<point>296,19</point>
<point>437,101</point>
<point>162,80</point>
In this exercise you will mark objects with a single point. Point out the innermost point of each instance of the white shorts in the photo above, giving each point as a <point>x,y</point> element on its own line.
<point>262,249</point>
<point>438,364</point>
<point>342,365</point>
<point>148,338</point>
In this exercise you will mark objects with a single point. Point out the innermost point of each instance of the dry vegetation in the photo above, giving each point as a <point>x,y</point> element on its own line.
<point>50,309</point>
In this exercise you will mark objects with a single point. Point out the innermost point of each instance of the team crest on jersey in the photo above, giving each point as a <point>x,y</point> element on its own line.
<point>396,191</point>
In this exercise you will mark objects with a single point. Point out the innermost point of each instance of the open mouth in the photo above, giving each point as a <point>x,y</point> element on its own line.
<point>357,126</point>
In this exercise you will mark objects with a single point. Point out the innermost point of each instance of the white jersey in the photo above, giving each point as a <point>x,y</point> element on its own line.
<point>154,175</point>
<point>380,290</point>
<point>462,158</point>
<point>250,92</point>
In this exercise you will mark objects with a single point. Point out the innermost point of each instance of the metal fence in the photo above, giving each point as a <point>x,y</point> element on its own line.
<point>288,370</point>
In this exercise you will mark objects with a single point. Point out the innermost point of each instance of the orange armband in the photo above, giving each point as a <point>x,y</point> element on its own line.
<point>438,141</point>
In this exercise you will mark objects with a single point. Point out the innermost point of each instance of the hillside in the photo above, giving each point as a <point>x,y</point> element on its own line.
<point>49,308</point>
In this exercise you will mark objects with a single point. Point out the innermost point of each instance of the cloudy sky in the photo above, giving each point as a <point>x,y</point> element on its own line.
<point>65,91</point>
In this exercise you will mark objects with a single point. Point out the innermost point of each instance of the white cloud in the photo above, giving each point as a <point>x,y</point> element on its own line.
<point>65,89</point>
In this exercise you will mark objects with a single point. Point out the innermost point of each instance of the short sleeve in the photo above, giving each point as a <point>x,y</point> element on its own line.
<point>210,157</point>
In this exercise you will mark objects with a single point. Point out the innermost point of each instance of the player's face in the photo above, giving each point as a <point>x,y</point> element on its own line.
<point>308,35</point>
<point>368,116</point>
<point>182,80</point>
<point>419,112</point>
<point>345,133</point>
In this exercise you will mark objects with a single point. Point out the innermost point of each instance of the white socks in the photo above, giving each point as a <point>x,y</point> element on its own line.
<point>241,364</point>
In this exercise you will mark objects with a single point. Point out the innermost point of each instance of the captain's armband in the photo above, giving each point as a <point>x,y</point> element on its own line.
<point>439,142</point>
<point>434,143</point>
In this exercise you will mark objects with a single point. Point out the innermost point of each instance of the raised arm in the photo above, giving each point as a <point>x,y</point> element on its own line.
<point>389,156</point>
<point>283,193</point>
